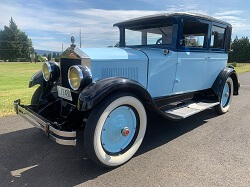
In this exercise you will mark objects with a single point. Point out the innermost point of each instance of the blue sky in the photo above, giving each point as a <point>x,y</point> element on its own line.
<point>49,23</point>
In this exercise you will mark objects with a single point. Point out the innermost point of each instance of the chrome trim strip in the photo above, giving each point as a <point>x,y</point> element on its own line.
<point>49,68</point>
<point>62,133</point>
<point>62,142</point>
<point>45,126</point>
<point>74,53</point>
<point>80,74</point>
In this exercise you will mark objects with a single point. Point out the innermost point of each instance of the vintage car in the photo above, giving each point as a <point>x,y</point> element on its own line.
<point>172,64</point>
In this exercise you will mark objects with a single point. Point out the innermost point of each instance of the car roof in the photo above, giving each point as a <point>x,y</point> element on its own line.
<point>169,15</point>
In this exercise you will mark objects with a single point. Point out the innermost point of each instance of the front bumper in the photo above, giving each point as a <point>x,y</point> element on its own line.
<point>60,137</point>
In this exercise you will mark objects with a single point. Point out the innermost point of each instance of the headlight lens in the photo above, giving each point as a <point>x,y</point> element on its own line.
<point>75,76</point>
<point>51,71</point>
<point>79,77</point>
<point>47,70</point>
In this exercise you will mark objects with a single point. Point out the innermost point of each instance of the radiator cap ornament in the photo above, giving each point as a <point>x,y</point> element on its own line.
<point>73,42</point>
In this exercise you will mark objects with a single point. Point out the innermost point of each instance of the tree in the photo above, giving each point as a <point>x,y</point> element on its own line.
<point>49,56</point>
<point>40,59</point>
<point>57,59</point>
<point>241,50</point>
<point>14,43</point>
<point>54,55</point>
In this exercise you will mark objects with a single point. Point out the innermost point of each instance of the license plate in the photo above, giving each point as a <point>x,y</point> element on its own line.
<point>64,93</point>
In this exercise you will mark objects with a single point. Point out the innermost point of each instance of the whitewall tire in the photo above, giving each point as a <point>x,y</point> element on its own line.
<point>115,129</point>
<point>226,97</point>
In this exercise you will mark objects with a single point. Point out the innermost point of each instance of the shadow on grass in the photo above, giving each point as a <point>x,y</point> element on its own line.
<point>56,165</point>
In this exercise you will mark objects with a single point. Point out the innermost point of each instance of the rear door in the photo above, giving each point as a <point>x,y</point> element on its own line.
<point>217,58</point>
<point>192,57</point>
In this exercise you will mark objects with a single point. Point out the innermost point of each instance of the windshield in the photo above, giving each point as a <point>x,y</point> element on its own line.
<point>160,34</point>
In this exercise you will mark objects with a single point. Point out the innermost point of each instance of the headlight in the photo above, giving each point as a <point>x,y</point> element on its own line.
<point>50,71</point>
<point>46,71</point>
<point>79,77</point>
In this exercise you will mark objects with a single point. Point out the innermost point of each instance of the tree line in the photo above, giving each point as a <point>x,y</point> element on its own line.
<point>54,55</point>
<point>240,50</point>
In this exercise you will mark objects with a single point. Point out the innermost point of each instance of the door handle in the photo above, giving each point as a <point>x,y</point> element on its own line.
<point>208,57</point>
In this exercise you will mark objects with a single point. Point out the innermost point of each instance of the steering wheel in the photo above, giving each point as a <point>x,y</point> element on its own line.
<point>159,41</point>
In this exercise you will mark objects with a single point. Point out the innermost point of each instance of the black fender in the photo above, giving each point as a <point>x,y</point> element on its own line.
<point>95,92</point>
<point>221,79</point>
<point>37,78</point>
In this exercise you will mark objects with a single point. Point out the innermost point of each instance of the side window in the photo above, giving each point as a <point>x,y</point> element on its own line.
<point>217,37</point>
<point>194,34</point>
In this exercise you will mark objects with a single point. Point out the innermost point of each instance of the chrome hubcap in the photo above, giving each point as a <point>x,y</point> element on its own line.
<point>125,131</point>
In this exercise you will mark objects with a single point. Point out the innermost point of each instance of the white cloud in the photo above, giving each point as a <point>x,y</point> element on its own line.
<point>96,24</point>
<point>42,38</point>
<point>229,13</point>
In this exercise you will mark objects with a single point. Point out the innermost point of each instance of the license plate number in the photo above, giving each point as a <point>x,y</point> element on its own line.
<point>64,93</point>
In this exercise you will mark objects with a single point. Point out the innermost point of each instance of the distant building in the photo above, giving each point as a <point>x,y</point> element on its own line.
<point>45,58</point>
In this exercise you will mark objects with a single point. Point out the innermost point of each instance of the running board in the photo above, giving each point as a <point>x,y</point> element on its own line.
<point>190,109</point>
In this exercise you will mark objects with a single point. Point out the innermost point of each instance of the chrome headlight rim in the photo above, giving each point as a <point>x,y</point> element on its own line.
<point>49,69</point>
<point>80,74</point>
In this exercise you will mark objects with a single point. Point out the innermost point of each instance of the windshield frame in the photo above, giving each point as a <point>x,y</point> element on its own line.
<point>162,22</point>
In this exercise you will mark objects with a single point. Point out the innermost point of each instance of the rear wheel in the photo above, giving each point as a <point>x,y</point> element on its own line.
<point>226,97</point>
<point>115,130</point>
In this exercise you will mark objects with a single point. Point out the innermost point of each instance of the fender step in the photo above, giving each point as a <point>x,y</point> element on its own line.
<point>190,109</point>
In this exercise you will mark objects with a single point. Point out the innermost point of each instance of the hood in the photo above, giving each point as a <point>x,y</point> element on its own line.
<point>112,62</point>
<point>113,53</point>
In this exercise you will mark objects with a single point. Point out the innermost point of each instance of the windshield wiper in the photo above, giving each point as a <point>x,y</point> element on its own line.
<point>162,32</point>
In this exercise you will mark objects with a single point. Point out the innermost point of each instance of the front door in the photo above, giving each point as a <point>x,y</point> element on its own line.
<point>192,58</point>
<point>161,71</point>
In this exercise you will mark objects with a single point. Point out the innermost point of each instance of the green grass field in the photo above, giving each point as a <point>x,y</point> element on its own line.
<point>241,67</point>
<point>14,81</point>
<point>14,84</point>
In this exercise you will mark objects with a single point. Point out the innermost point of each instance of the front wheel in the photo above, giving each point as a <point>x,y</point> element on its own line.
<point>36,96</point>
<point>115,129</point>
<point>226,97</point>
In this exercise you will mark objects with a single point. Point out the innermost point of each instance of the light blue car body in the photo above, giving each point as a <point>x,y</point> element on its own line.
<point>161,74</point>
<point>181,69</point>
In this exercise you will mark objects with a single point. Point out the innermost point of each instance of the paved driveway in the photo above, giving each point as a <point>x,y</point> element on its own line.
<point>203,150</point>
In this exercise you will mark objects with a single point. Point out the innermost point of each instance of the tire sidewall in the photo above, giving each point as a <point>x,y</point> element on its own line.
<point>226,108</point>
<point>36,96</point>
<point>101,156</point>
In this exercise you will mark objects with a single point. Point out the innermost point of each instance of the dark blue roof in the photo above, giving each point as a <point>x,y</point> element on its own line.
<point>169,15</point>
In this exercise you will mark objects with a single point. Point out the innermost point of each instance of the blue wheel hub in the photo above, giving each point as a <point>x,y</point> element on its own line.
<point>119,129</point>
<point>225,95</point>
